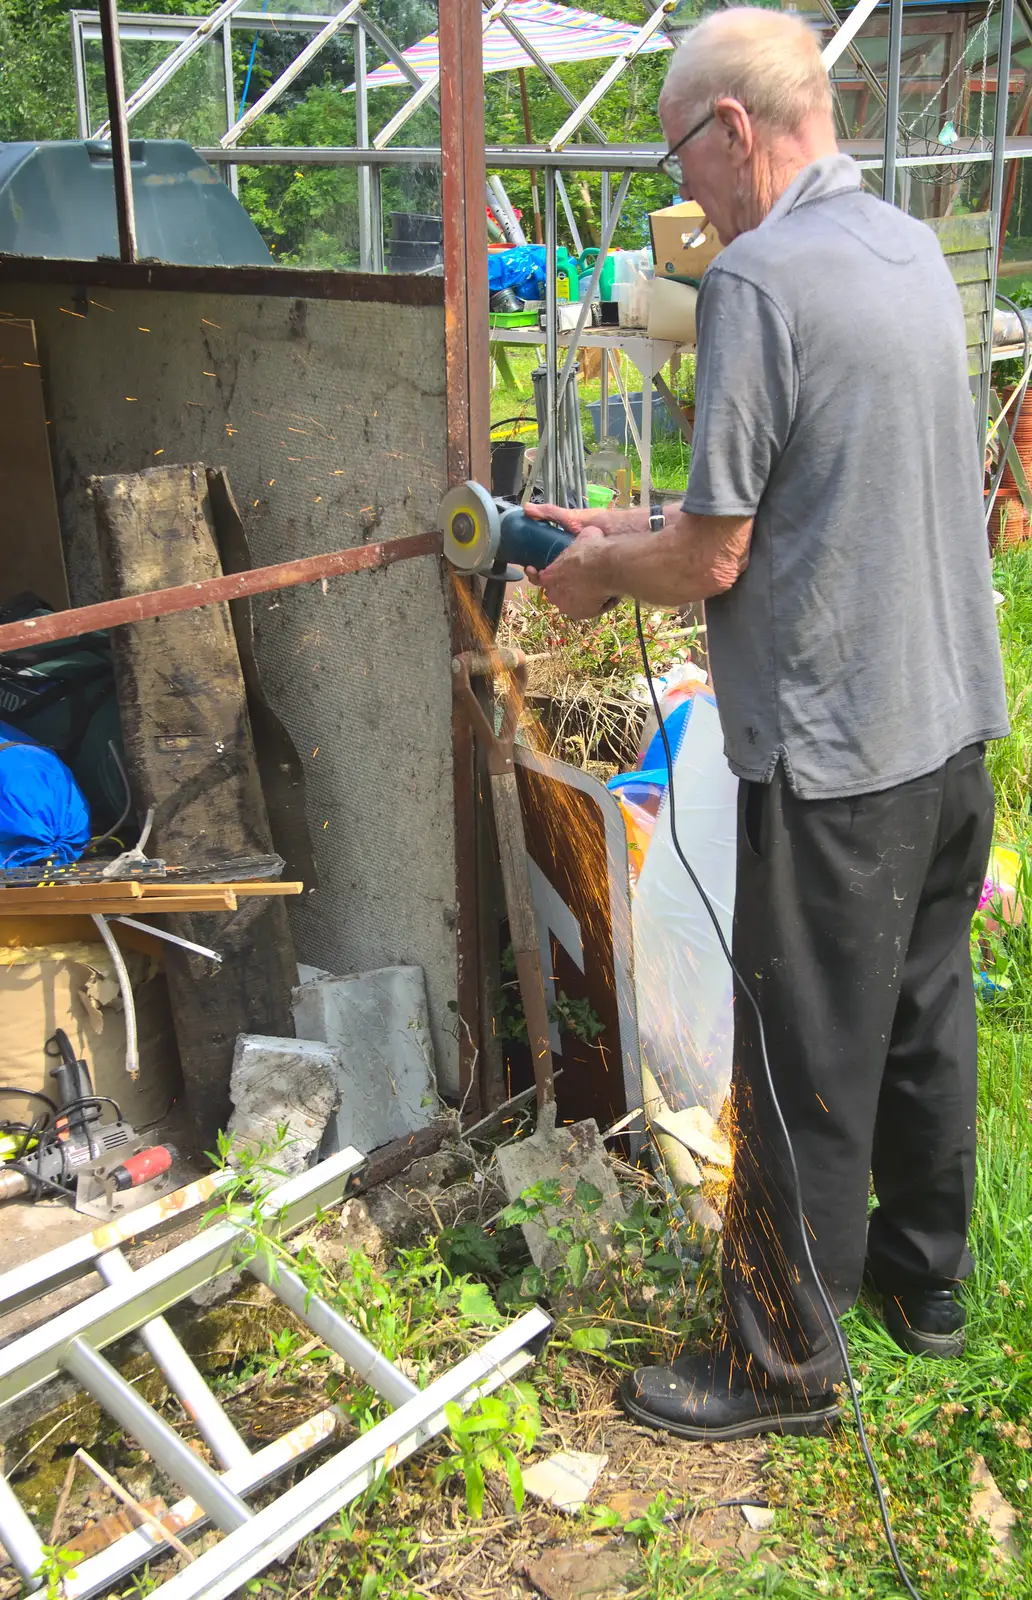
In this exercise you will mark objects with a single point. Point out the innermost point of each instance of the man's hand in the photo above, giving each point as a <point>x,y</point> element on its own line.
<point>612,523</point>
<point>575,582</point>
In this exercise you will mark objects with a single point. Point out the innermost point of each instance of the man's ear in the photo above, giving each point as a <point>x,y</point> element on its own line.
<point>736,128</point>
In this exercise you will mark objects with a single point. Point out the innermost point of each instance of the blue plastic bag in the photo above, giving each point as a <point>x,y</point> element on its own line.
<point>43,815</point>
<point>521,269</point>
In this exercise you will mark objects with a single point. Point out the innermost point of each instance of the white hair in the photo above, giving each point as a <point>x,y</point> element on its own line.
<point>769,61</point>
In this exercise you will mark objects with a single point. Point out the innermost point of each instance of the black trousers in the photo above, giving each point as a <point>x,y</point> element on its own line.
<point>852,928</point>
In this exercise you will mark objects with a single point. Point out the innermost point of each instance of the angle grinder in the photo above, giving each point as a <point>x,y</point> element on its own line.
<point>481,533</point>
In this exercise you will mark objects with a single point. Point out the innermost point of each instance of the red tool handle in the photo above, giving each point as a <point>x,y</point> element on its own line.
<point>143,1166</point>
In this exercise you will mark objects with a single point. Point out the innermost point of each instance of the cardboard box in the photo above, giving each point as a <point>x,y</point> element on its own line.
<point>74,987</point>
<point>671,229</point>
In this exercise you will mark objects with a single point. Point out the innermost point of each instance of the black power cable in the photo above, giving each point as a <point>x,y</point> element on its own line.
<point>744,990</point>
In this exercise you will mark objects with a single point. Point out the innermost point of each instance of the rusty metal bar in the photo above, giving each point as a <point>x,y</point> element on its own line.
<point>115,86</point>
<point>464,178</point>
<point>214,591</point>
<point>467,361</point>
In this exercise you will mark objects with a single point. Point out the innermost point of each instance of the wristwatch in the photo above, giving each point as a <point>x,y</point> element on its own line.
<point>657,519</point>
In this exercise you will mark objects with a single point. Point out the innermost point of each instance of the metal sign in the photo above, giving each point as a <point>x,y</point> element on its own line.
<point>578,856</point>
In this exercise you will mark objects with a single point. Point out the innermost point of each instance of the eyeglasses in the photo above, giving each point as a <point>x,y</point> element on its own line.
<point>670,164</point>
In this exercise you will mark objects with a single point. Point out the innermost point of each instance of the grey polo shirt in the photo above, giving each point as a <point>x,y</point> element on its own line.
<point>859,646</point>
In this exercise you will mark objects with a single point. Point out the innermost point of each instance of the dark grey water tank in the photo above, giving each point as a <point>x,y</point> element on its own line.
<point>58,200</point>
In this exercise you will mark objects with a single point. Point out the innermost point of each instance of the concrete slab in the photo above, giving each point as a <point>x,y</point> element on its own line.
<point>283,1083</point>
<point>379,1026</point>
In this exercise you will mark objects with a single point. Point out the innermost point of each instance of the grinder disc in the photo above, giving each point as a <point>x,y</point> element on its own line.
<point>471,527</point>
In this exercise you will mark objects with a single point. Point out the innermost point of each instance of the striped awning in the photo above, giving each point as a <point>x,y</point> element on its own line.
<point>557,33</point>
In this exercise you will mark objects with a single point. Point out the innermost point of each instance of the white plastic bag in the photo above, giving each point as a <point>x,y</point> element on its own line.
<point>682,979</point>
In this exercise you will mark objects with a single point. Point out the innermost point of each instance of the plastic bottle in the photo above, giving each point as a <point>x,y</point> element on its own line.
<point>567,278</point>
<point>606,290</point>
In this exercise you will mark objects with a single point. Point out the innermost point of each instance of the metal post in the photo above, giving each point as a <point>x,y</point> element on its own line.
<point>100,1379</point>
<point>603,395</point>
<point>115,86</point>
<point>334,1331</point>
<point>608,229</point>
<point>286,78</point>
<point>365,199</point>
<point>19,1537</point>
<point>464,186</point>
<point>550,442</point>
<point>376,217</point>
<point>82,112</point>
<point>183,1377</point>
<point>1003,65</point>
<point>571,220</point>
<point>229,171</point>
<point>892,100</point>
<point>429,85</point>
<point>467,356</point>
<point>168,68</point>
<point>609,77</point>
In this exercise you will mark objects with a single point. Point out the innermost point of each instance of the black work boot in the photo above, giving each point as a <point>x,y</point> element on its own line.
<point>702,1397</point>
<point>925,1322</point>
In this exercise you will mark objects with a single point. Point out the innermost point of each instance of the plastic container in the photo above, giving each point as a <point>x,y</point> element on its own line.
<point>615,425</point>
<point>606,282</point>
<point>567,278</point>
<point>58,199</point>
<point>507,468</point>
<point>599,496</point>
<point>632,298</point>
<point>627,264</point>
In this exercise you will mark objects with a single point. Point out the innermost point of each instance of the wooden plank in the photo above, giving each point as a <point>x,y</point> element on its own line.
<point>127,908</point>
<point>44,892</point>
<point>975,330</point>
<point>956,234</point>
<point>249,887</point>
<point>31,553</point>
<point>973,297</point>
<point>969,266</point>
<point>190,757</point>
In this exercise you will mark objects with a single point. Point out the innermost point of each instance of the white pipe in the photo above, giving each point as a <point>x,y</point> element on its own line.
<point>132,1054</point>
<point>847,32</point>
<point>171,938</point>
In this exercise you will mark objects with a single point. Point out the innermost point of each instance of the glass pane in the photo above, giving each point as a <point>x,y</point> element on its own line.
<point>191,106</point>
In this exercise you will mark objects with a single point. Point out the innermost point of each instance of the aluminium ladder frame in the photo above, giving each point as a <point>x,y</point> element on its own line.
<point>133,1300</point>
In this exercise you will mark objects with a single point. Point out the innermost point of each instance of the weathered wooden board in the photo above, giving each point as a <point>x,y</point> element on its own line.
<point>190,757</point>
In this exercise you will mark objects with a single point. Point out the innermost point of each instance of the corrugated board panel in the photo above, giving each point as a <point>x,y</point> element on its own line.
<point>330,418</point>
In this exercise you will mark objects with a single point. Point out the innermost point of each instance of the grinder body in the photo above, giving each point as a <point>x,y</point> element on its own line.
<point>481,534</point>
<point>527,543</point>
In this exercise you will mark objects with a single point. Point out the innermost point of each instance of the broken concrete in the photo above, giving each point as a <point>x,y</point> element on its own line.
<point>564,1480</point>
<point>379,1025</point>
<point>570,1154</point>
<point>276,1083</point>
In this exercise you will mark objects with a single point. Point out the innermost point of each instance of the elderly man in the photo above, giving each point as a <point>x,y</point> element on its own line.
<point>833,524</point>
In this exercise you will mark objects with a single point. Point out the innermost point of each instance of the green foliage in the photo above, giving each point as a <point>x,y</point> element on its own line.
<point>57,1565</point>
<point>627,1286</point>
<point>578,1018</point>
<point>481,1438</point>
<point>37,99</point>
